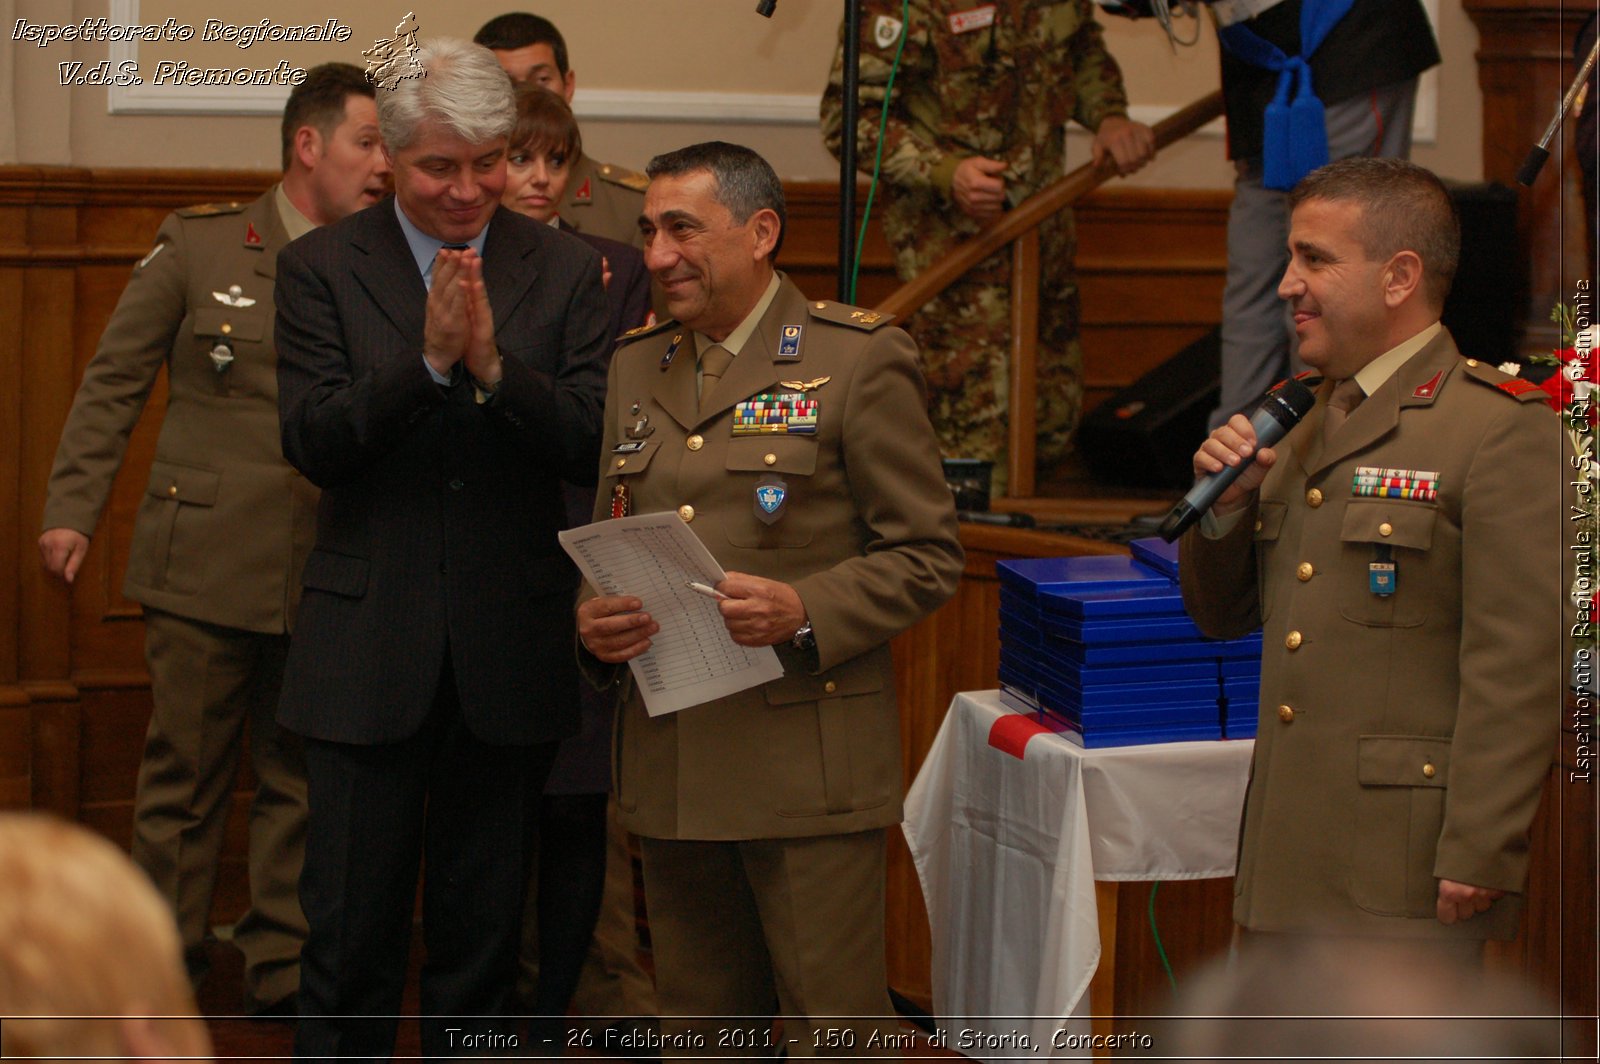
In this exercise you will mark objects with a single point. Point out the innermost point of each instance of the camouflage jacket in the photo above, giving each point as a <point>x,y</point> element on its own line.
<point>999,80</point>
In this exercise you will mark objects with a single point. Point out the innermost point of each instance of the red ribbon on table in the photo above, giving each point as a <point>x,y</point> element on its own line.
<point>1010,734</point>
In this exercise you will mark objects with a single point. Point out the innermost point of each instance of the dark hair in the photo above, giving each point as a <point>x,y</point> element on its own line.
<point>319,100</point>
<point>1404,207</point>
<point>543,118</point>
<point>519,29</point>
<point>745,181</point>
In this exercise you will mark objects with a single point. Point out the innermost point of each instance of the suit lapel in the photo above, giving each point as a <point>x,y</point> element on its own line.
<point>386,269</point>
<point>264,214</point>
<point>1416,383</point>
<point>509,266</point>
<point>676,394</point>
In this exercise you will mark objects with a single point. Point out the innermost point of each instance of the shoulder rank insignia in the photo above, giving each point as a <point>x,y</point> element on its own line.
<point>209,210</point>
<point>806,386</point>
<point>1517,387</point>
<point>150,256</point>
<point>233,297</point>
<point>647,329</point>
<point>621,175</point>
<point>844,314</point>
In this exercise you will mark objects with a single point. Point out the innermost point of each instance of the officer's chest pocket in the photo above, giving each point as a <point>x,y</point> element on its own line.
<point>628,458</point>
<point>218,333</point>
<point>1385,545</point>
<point>774,473</point>
<point>1269,525</point>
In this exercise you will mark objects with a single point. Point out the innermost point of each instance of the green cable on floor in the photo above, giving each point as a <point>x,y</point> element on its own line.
<point>877,162</point>
<point>1161,951</point>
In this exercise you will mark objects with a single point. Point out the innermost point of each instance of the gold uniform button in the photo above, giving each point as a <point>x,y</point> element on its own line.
<point>172,490</point>
<point>1386,529</point>
<point>1293,640</point>
<point>822,306</point>
<point>621,462</point>
<point>1304,572</point>
<point>696,442</point>
<point>1472,362</point>
<point>226,328</point>
<point>830,687</point>
<point>686,512</point>
<point>770,459</point>
<point>1258,524</point>
<point>1314,498</point>
<point>1286,714</point>
<point>1428,770</point>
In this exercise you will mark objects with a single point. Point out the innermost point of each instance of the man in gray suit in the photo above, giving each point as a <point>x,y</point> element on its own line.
<point>440,370</point>
<point>224,526</point>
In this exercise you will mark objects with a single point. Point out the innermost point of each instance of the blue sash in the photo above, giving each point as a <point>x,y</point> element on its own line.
<point>1294,138</point>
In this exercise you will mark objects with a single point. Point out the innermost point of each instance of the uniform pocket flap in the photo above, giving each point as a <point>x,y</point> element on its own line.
<point>1269,519</point>
<point>185,483</point>
<point>339,574</point>
<point>859,676</point>
<point>229,323</point>
<point>1397,523</point>
<point>1402,761</point>
<point>631,456</point>
<point>781,454</point>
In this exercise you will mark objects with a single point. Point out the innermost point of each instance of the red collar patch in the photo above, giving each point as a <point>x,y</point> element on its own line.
<point>584,193</point>
<point>1427,388</point>
<point>252,239</point>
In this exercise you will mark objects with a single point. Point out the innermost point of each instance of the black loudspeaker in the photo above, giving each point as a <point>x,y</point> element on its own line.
<point>1491,283</point>
<point>1146,434</point>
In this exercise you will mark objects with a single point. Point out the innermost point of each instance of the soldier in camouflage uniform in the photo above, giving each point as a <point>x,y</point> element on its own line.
<point>975,126</point>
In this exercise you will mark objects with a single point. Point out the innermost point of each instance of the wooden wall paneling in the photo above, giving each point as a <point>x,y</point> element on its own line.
<point>15,747</point>
<point>1524,67</point>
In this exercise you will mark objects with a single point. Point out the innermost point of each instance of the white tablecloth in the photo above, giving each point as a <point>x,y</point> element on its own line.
<point>1008,849</point>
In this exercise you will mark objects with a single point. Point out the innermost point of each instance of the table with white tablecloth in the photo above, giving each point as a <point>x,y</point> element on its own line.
<point>1010,824</point>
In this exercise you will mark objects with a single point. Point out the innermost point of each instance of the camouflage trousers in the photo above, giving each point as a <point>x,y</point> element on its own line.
<point>964,335</point>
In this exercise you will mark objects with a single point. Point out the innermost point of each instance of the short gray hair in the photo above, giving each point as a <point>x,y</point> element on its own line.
<point>746,182</point>
<point>463,87</point>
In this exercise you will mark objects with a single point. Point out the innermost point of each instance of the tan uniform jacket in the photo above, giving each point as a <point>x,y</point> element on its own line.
<point>225,524</point>
<point>866,534</point>
<point>1403,737</point>
<point>604,200</point>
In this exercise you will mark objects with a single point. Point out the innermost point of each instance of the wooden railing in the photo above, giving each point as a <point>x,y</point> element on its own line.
<point>1020,229</point>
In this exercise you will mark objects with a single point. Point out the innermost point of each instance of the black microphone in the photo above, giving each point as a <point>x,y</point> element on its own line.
<point>1279,412</point>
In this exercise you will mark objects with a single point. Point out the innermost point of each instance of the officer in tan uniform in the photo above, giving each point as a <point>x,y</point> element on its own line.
<point>225,525</point>
<point>601,199</point>
<point>762,814</point>
<point>1403,550</point>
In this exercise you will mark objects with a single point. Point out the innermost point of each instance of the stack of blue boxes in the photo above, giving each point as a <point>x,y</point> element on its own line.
<point>1101,644</point>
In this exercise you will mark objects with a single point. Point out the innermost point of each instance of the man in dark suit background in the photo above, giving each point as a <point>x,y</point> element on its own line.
<point>440,371</point>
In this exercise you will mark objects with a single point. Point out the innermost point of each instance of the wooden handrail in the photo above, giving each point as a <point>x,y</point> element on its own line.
<point>1035,210</point>
<point>1020,228</point>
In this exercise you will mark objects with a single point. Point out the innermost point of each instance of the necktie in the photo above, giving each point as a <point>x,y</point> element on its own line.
<point>1346,396</point>
<point>714,362</point>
